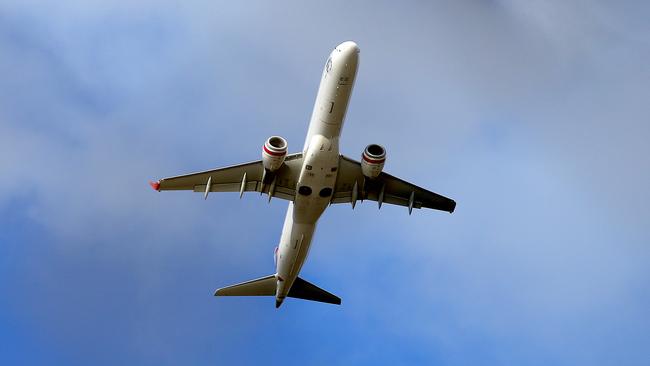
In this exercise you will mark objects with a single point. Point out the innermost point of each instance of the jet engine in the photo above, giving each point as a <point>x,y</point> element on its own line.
<point>273,153</point>
<point>372,160</point>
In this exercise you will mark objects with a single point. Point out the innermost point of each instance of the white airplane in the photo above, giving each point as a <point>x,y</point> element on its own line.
<point>310,180</point>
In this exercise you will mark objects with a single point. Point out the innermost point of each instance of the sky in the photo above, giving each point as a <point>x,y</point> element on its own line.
<point>532,115</point>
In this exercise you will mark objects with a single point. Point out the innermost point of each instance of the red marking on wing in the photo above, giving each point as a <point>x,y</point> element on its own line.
<point>155,185</point>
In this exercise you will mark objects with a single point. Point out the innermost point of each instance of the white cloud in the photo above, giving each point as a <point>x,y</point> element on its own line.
<point>531,115</point>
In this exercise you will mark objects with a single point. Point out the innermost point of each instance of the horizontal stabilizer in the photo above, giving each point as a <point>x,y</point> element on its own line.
<point>302,289</point>
<point>264,286</point>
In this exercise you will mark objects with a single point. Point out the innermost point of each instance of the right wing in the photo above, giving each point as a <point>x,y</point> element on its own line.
<point>243,177</point>
<point>351,185</point>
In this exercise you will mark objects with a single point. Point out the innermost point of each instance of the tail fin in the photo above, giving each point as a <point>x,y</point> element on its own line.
<point>264,286</point>
<point>302,289</point>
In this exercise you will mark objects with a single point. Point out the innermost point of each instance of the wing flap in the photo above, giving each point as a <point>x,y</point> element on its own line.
<point>227,187</point>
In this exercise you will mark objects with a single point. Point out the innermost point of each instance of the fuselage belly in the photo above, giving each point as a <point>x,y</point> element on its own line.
<point>320,164</point>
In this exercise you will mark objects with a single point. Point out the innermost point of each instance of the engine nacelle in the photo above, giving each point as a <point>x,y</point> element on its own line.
<point>372,160</point>
<point>273,153</point>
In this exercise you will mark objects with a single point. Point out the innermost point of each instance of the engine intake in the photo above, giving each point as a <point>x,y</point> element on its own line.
<point>372,160</point>
<point>273,153</point>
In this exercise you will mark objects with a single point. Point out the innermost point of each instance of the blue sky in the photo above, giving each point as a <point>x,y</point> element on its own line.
<point>533,115</point>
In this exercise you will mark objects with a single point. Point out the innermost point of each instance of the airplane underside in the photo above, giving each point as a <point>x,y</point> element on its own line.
<point>311,181</point>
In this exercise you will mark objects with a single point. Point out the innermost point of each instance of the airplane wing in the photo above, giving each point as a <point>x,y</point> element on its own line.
<point>351,185</point>
<point>241,178</point>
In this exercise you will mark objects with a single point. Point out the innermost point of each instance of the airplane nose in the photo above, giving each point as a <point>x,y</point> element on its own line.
<point>348,47</point>
<point>347,51</point>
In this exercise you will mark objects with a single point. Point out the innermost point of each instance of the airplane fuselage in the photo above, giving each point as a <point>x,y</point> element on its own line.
<point>320,164</point>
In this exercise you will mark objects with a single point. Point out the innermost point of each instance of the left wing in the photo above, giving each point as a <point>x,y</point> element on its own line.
<point>352,185</point>
<point>240,178</point>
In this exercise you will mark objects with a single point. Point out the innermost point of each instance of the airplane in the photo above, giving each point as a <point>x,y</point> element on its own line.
<point>311,181</point>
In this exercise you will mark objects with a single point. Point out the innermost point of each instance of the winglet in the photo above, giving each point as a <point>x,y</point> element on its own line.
<point>155,185</point>
<point>453,206</point>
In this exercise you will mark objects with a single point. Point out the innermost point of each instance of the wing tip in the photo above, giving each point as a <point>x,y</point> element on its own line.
<point>453,207</point>
<point>155,185</point>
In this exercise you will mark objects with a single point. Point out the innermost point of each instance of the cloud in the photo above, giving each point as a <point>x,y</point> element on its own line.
<point>532,115</point>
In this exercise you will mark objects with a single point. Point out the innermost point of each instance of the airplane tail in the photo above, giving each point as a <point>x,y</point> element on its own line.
<point>302,289</point>
<point>266,286</point>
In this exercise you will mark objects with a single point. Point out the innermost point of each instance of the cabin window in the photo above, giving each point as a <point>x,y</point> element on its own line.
<point>304,190</point>
<point>325,192</point>
<point>334,169</point>
<point>308,167</point>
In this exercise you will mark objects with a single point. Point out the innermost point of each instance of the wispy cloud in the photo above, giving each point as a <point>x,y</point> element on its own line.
<point>532,115</point>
